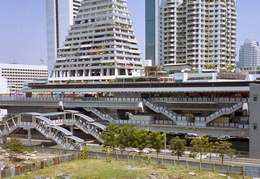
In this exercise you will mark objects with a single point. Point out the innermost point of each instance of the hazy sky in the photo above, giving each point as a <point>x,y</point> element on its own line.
<point>23,28</point>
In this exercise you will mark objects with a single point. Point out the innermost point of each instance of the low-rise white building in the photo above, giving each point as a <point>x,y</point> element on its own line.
<point>13,76</point>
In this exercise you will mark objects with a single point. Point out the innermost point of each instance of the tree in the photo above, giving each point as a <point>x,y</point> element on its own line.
<point>110,136</point>
<point>200,146</point>
<point>178,146</point>
<point>224,148</point>
<point>211,148</point>
<point>157,141</point>
<point>108,150</point>
<point>229,68</point>
<point>126,137</point>
<point>84,153</point>
<point>141,139</point>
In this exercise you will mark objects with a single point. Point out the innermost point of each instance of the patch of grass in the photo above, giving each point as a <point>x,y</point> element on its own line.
<point>101,169</point>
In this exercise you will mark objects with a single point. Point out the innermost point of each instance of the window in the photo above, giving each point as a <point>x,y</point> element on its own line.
<point>255,98</point>
<point>255,126</point>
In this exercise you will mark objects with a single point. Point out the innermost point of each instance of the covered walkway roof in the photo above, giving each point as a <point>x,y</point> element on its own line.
<point>76,139</point>
<point>99,125</point>
<point>65,131</point>
<point>50,122</point>
<point>89,119</point>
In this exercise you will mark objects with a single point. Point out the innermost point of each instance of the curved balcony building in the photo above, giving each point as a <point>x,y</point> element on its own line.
<point>101,45</point>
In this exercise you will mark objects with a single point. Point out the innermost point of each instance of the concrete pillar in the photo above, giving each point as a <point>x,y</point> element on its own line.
<point>108,70</point>
<point>116,71</point>
<point>66,142</point>
<point>71,129</point>
<point>29,137</point>
<point>101,72</point>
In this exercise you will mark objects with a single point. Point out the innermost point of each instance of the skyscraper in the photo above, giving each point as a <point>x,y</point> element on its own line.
<point>199,32</point>
<point>59,17</point>
<point>100,45</point>
<point>151,33</point>
<point>249,54</point>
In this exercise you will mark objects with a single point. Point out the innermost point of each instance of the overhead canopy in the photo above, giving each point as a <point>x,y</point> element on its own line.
<point>101,126</point>
<point>54,113</point>
<point>147,90</point>
<point>65,131</point>
<point>45,119</point>
<point>76,139</point>
<point>89,119</point>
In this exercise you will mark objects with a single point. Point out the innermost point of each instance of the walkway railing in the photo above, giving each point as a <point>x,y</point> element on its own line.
<point>125,99</point>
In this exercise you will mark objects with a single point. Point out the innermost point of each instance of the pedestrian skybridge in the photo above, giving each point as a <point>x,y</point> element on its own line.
<point>51,125</point>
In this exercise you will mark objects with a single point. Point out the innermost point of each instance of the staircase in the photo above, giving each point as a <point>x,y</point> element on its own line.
<point>161,109</point>
<point>224,111</point>
<point>90,127</point>
<point>101,115</point>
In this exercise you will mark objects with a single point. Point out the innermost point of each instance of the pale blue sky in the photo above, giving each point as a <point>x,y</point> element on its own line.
<point>23,27</point>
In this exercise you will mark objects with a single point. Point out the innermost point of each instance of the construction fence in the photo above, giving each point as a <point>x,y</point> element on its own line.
<point>67,155</point>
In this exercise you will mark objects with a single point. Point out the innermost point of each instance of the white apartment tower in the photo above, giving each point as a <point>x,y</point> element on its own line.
<point>249,55</point>
<point>59,17</point>
<point>199,32</point>
<point>100,45</point>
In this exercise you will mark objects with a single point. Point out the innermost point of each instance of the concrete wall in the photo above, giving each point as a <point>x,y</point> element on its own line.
<point>254,121</point>
<point>141,117</point>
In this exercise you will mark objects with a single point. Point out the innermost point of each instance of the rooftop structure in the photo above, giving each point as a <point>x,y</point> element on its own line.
<point>17,74</point>
<point>100,46</point>
<point>199,32</point>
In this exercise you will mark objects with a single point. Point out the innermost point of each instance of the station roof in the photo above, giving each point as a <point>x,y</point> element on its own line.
<point>148,89</point>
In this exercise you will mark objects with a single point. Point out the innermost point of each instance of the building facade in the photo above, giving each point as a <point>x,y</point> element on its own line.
<point>17,74</point>
<point>59,17</point>
<point>199,32</point>
<point>100,46</point>
<point>249,55</point>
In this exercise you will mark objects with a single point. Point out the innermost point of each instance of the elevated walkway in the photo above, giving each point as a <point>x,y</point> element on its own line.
<point>49,125</point>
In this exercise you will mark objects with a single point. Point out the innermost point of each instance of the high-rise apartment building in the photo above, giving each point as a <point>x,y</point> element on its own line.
<point>199,32</point>
<point>249,55</point>
<point>100,45</point>
<point>59,17</point>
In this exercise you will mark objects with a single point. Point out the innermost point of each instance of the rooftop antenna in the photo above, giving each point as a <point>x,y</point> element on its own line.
<point>42,61</point>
